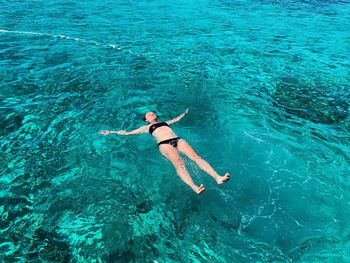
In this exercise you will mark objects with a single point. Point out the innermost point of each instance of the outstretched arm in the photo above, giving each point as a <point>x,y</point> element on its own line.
<point>177,118</point>
<point>142,129</point>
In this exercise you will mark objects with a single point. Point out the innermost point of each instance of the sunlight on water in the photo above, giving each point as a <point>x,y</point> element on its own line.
<point>267,85</point>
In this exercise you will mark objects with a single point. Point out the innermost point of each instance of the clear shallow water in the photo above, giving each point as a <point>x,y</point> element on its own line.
<point>267,84</point>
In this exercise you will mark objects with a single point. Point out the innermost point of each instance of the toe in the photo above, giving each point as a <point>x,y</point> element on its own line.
<point>201,188</point>
<point>227,178</point>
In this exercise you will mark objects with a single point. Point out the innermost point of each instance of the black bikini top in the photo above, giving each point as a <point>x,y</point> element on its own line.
<point>153,127</point>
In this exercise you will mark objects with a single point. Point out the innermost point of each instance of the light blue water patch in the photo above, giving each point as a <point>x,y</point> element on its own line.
<point>267,85</point>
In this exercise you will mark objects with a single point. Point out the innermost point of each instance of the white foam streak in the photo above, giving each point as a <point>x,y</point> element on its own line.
<point>114,46</point>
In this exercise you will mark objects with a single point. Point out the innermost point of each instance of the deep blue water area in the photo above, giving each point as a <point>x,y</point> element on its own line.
<point>267,84</point>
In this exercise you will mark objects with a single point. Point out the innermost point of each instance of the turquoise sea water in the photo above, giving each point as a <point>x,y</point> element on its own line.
<point>267,85</point>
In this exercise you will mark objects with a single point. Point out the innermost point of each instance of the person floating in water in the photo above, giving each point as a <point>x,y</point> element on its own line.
<point>170,145</point>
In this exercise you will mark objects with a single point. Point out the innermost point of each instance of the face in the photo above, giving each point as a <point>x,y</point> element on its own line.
<point>151,116</point>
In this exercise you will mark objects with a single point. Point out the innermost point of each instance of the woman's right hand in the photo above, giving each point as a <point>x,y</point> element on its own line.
<point>104,132</point>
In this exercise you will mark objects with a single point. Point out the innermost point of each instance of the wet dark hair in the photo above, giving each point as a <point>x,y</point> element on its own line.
<point>144,116</point>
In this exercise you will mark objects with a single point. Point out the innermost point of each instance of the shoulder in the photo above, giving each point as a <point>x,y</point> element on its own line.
<point>144,127</point>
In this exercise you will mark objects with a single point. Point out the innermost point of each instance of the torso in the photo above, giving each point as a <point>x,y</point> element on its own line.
<point>162,133</point>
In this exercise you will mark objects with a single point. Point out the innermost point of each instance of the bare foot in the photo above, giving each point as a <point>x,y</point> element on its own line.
<point>199,189</point>
<point>223,179</point>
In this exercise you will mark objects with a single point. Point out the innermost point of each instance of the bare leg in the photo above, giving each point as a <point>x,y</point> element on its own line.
<point>185,148</point>
<point>171,153</point>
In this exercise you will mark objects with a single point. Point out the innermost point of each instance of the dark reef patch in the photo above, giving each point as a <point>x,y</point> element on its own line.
<point>316,103</point>
<point>49,246</point>
<point>10,121</point>
<point>125,256</point>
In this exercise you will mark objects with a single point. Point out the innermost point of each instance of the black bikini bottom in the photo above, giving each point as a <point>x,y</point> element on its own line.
<point>172,142</point>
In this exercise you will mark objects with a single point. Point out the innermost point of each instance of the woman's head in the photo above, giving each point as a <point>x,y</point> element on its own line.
<point>150,116</point>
